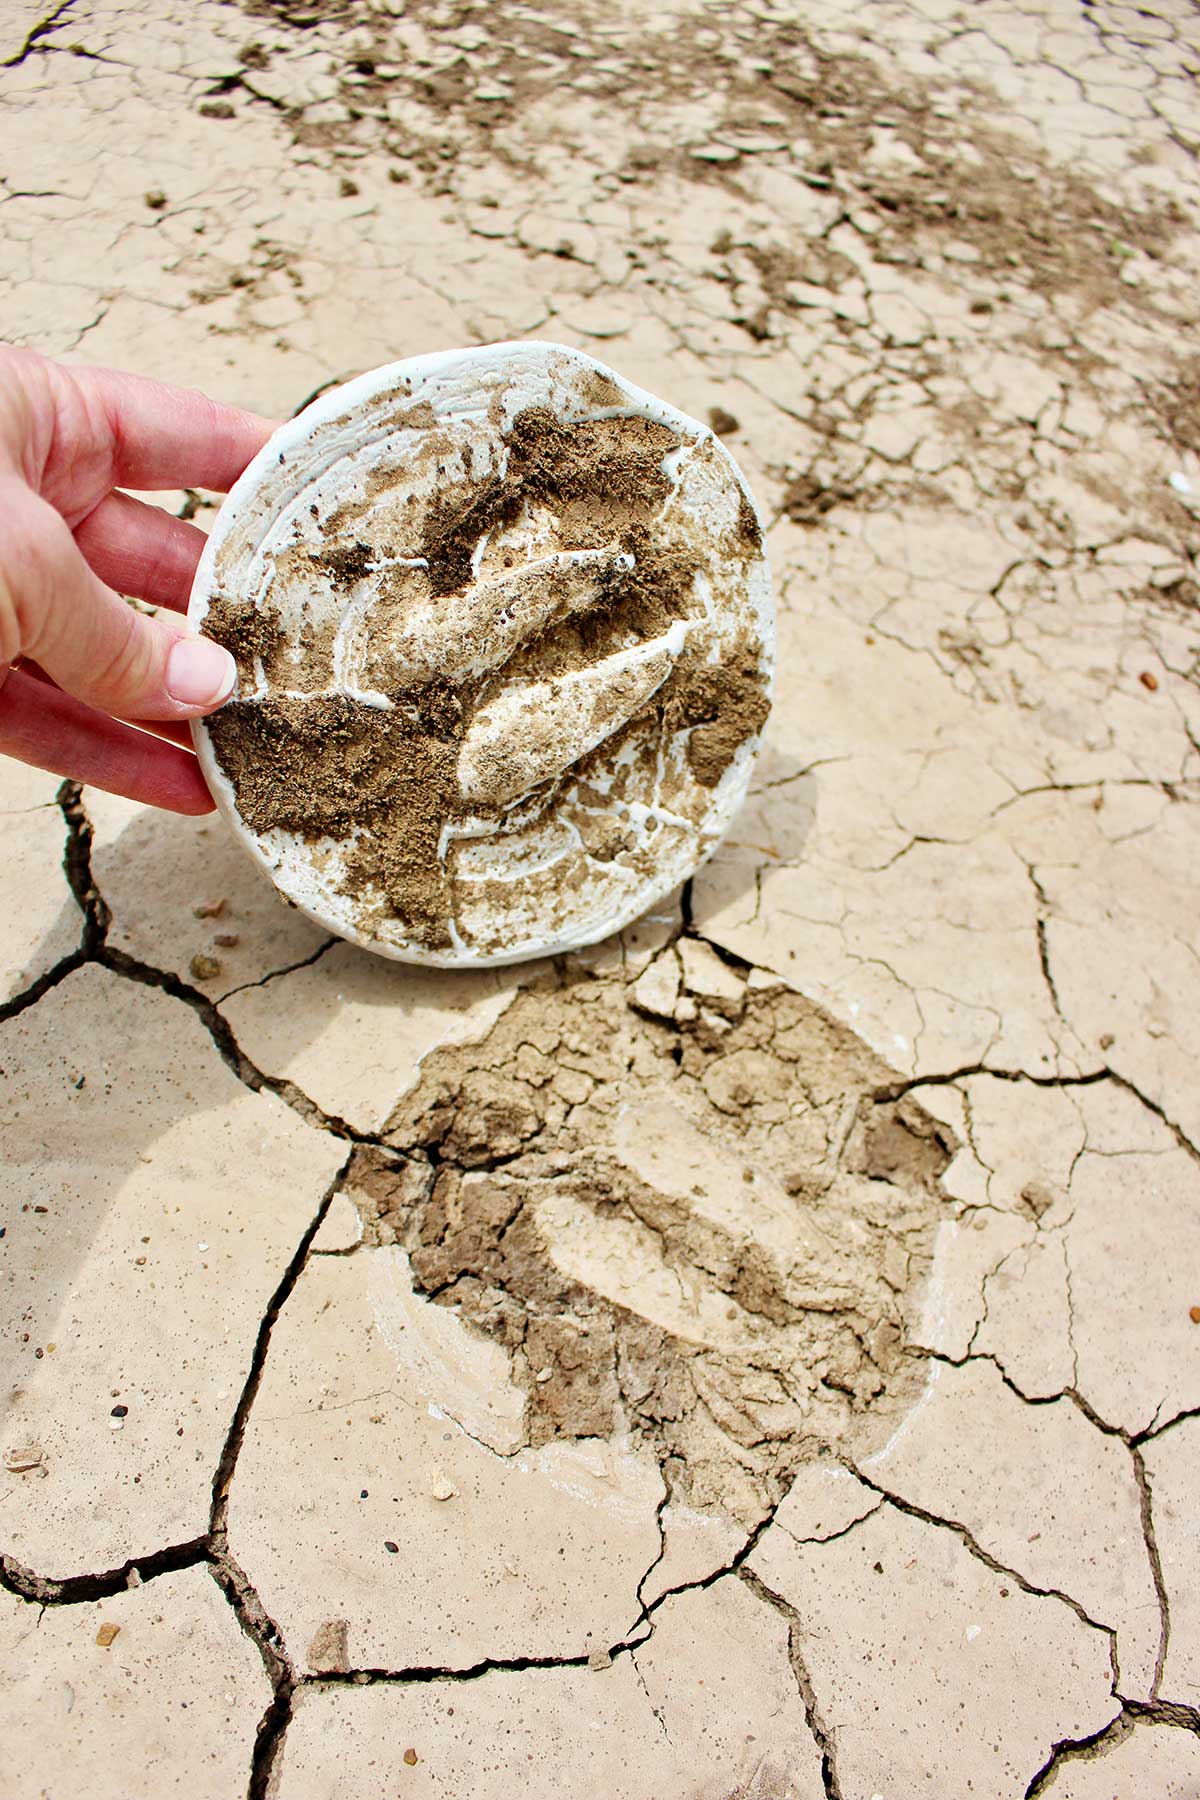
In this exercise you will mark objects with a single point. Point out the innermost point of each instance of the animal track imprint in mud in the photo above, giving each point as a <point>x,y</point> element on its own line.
<point>684,1212</point>
<point>504,636</point>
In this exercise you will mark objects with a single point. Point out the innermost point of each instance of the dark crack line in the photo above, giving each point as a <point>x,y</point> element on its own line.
<point>1177,1132</point>
<point>1156,1431</point>
<point>118,962</point>
<point>1132,1442</point>
<point>237,1588</point>
<point>218,1522</point>
<point>42,29</point>
<point>926,1354</point>
<point>1146,1504</point>
<point>1043,942</point>
<point>305,962</point>
<point>832,1537</point>
<point>213,1548</point>
<point>77,1590</point>
<point>976,1549</point>
<point>1099,1743</point>
<point>251,1615</point>
<point>427,1672</point>
<point>77,867</point>
<point>898,1090</point>
<point>641,1681</point>
<point>732,1567</point>
<point>95,948</point>
<point>76,863</point>
<point>267,1639</point>
<point>1071,1749</point>
<point>950,1077</point>
<point>821,1735</point>
<point>30,996</point>
<point>1163,785</point>
<point>659,1510</point>
<point>501,1665</point>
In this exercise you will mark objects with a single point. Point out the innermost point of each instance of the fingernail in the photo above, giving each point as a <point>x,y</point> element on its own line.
<point>199,672</point>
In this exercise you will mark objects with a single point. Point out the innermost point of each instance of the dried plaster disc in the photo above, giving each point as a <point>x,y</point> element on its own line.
<point>504,638</point>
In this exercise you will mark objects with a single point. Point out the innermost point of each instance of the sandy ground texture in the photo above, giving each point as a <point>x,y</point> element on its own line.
<point>759,1357</point>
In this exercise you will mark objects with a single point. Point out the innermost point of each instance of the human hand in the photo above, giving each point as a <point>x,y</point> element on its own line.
<point>90,669</point>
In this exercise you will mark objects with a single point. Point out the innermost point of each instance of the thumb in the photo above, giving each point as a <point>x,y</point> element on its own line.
<point>96,646</point>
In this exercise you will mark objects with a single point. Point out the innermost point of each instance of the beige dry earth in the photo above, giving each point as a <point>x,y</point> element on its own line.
<point>759,1357</point>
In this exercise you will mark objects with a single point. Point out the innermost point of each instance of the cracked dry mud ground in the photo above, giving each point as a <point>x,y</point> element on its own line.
<point>754,1358</point>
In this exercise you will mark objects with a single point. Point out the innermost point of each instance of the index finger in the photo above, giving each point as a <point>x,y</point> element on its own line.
<point>166,437</point>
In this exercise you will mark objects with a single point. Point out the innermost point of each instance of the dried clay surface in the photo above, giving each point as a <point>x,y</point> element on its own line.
<point>758,1356</point>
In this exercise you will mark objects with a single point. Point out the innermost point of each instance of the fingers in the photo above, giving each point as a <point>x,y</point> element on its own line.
<point>141,550</point>
<point>52,730</point>
<point>175,731</point>
<point>171,731</point>
<point>87,639</point>
<point>165,437</point>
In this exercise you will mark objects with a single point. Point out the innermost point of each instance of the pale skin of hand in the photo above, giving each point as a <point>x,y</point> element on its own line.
<point>89,686</point>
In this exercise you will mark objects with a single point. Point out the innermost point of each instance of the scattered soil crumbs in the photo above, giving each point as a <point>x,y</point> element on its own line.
<point>347,563</point>
<point>722,706</point>
<point>1050,227</point>
<point>1179,405</point>
<point>244,631</point>
<point>697,1227</point>
<point>379,783</point>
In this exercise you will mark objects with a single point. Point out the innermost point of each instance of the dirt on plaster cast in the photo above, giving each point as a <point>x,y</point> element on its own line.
<point>495,692</point>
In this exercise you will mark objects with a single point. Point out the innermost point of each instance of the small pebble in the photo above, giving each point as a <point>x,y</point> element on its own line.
<point>410,1757</point>
<point>226,939</point>
<point>443,1490</point>
<point>1194,1314</point>
<point>208,909</point>
<point>1149,680</point>
<point>120,1412</point>
<point>106,1634</point>
<point>116,1424</point>
<point>156,199</point>
<point>392,1549</point>
<point>205,968</point>
<point>544,1374</point>
<point>22,1458</point>
<point>347,188</point>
